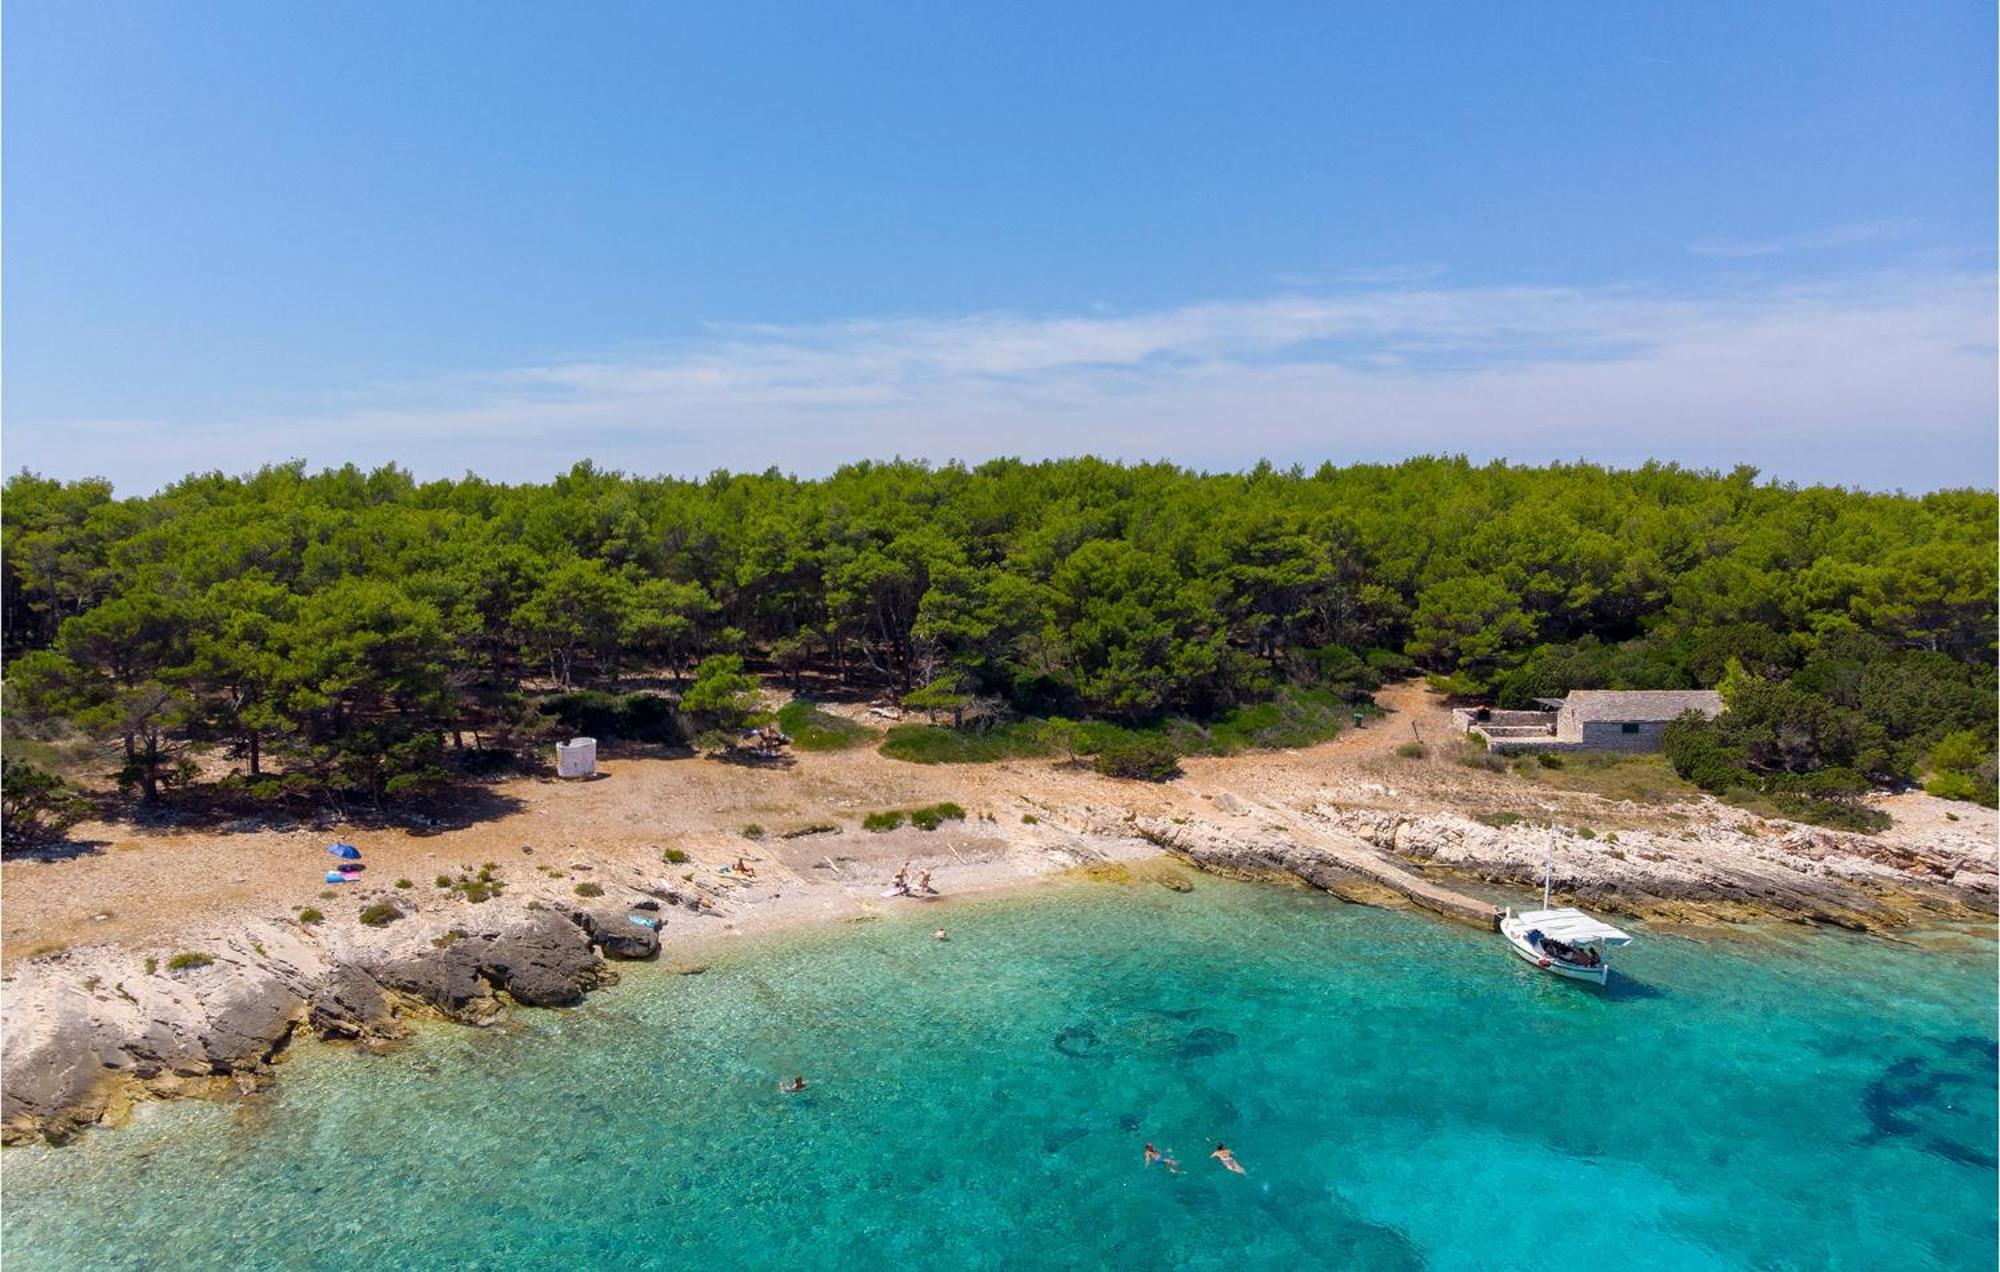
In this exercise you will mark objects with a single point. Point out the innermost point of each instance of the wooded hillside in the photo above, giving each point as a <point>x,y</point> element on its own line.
<point>342,631</point>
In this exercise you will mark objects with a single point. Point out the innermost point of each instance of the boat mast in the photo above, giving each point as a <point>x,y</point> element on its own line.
<point>1549,869</point>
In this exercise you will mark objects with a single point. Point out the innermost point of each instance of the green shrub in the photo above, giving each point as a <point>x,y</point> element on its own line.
<point>188,959</point>
<point>311,915</point>
<point>887,819</point>
<point>152,965</point>
<point>404,883</point>
<point>1585,832</point>
<point>931,816</point>
<point>811,729</point>
<point>444,881</point>
<point>1475,758</point>
<point>1413,750</point>
<point>589,889</point>
<point>1498,820</point>
<point>753,831</point>
<point>674,857</point>
<point>1549,759</point>
<point>1029,819</point>
<point>381,914</point>
<point>478,891</point>
<point>1142,759</point>
<point>934,744</point>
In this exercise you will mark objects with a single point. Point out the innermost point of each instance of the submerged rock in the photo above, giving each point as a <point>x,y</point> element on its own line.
<point>1205,1041</point>
<point>1078,1041</point>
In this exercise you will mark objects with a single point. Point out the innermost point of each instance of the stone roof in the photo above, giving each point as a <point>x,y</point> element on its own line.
<point>1641,705</point>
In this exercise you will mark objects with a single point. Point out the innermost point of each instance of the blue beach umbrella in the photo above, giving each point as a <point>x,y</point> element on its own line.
<point>348,851</point>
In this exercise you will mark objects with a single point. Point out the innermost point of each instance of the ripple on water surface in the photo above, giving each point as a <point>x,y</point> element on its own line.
<point>1403,1093</point>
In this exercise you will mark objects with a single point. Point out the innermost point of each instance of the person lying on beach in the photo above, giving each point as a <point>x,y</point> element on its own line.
<point>797,1084</point>
<point>743,868</point>
<point>1228,1159</point>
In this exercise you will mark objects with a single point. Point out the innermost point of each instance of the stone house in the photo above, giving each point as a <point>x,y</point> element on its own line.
<point>1590,719</point>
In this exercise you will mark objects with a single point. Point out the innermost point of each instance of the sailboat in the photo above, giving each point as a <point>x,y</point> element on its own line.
<point>1566,942</point>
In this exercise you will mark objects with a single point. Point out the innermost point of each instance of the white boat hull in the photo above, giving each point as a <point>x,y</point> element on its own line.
<point>1516,933</point>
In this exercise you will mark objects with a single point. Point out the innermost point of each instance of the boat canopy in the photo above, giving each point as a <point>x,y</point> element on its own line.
<point>1573,927</point>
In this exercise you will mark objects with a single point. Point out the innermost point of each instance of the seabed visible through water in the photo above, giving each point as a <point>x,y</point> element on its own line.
<point>1403,1092</point>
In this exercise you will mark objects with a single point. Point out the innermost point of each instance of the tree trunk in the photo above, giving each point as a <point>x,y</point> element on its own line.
<point>256,752</point>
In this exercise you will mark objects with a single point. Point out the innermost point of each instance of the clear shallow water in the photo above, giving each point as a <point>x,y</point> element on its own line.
<point>1404,1093</point>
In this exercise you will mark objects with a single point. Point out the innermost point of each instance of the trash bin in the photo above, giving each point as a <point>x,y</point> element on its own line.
<point>576,757</point>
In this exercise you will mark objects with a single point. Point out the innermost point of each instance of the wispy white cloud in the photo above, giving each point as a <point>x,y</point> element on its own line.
<point>1833,236</point>
<point>1880,380</point>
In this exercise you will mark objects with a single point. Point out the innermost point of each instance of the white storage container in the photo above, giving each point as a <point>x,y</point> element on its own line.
<point>576,757</point>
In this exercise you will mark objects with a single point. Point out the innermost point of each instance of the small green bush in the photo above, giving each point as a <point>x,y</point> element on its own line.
<point>1140,759</point>
<point>589,889</point>
<point>1484,760</point>
<point>931,816</point>
<point>311,915</point>
<point>152,965</point>
<point>1413,750</point>
<point>674,857</point>
<point>753,831</point>
<point>888,819</point>
<point>188,959</point>
<point>811,729</point>
<point>1585,832</point>
<point>1498,820</point>
<point>1549,760</point>
<point>1029,819</point>
<point>404,883</point>
<point>381,914</point>
<point>444,881</point>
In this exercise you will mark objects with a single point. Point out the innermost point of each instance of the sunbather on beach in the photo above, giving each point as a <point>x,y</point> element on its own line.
<point>1228,1159</point>
<point>924,883</point>
<point>743,868</point>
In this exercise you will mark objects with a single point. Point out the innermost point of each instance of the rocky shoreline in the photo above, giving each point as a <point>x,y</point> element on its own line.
<point>88,1034</point>
<point>82,1056</point>
<point>1734,868</point>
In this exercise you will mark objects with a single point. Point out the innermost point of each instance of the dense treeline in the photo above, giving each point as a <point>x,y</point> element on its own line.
<point>345,630</point>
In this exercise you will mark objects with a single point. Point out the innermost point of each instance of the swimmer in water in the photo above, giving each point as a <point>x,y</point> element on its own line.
<point>797,1084</point>
<point>940,935</point>
<point>1164,1159</point>
<point>1228,1159</point>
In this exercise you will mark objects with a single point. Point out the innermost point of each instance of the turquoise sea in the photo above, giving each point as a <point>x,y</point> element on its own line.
<point>1403,1092</point>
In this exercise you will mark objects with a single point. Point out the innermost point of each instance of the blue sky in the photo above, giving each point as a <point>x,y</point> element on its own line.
<point>502,237</point>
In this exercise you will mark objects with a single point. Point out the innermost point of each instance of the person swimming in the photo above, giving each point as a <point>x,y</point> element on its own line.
<point>1164,1159</point>
<point>940,935</point>
<point>1228,1159</point>
<point>797,1084</point>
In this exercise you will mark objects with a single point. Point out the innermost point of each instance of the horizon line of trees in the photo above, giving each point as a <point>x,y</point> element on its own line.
<point>339,630</point>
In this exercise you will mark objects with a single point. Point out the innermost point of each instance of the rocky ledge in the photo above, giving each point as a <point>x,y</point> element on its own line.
<point>83,1044</point>
<point>1731,865</point>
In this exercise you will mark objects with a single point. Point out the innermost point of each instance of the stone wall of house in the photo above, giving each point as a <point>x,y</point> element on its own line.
<point>1610,735</point>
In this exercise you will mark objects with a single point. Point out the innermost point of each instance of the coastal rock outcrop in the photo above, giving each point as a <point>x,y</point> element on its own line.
<point>617,936</point>
<point>80,1046</point>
